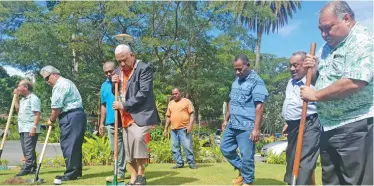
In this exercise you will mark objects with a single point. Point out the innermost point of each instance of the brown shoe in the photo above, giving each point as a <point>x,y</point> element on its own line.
<point>238,181</point>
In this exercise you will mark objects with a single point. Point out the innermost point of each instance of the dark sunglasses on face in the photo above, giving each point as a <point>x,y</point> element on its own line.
<point>47,78</point>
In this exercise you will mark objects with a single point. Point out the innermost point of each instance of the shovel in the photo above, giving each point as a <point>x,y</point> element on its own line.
<point>8,123</point>
<point>36,179</point>
<point>300,137</point>
<point>115,153</point>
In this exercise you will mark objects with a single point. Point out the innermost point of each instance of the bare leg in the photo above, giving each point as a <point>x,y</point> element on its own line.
<point>132,168</point>
<point>140,166</point>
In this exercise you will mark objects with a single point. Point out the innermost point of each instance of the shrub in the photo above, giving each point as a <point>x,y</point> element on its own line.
<point>157,133</point>
<point>277,159</point>
<point>161,151</point>
<point>4,162</point>
<point>96,151</point>
<point>55,162</point>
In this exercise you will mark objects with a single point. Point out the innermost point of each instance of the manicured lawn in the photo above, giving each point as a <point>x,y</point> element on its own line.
<point>162,174</point>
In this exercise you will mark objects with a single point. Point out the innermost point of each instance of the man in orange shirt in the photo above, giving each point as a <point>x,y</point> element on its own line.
<point>138,109</point>
<point>180,115</point>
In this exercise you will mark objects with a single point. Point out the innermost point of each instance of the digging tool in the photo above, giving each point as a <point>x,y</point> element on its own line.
<point>36,179</point>
<point>115,153</point>
<point>8,123</point>
<point>300,137</point>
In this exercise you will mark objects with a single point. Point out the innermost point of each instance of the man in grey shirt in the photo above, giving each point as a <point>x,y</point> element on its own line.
<point>291,112</point>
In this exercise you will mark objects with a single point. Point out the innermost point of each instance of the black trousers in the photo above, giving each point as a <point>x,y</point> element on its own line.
<point>368,175</point>
<point>72,129</point>
<point>344,153</point>
<point>28,144</point>
<point>310,149</point>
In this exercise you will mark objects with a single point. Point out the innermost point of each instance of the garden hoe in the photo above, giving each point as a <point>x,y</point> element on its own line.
<point>115,153</point>
<point>299,145</point>
<point>8,123</point>
<point>36,179</point>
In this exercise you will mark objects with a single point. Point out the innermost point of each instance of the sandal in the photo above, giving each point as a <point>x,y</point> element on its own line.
<point>129,183</point>
<point>140,180</point>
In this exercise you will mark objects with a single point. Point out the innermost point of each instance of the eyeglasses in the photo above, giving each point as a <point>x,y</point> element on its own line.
<point>47,78</point>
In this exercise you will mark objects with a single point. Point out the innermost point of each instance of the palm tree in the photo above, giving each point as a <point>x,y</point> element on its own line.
<point>263,17</point>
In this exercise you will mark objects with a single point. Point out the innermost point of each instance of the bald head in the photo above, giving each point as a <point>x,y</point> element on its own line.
<point>122,49</point>
<point>176,94</point>
<point>108,68</point>
<point>109,65</point>
<point>125,57</point>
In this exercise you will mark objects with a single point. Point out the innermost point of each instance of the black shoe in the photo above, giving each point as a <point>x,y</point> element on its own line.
<point>192,166</point>
<point>178,166</point>
<point>140,180</point>
<point>65,178</point>
<point>23,173</point>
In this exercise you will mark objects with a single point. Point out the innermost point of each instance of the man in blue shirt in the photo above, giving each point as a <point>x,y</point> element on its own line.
<point>107,119</point>
<point>242,121</point>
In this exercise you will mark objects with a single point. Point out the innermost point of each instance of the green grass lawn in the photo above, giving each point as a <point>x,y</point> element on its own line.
<point>162,174</point>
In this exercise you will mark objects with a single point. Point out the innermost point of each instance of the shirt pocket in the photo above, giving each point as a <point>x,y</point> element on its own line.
<point>337,66</point>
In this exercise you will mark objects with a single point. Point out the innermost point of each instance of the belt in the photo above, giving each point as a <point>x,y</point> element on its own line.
<point>370,121</point>
<point>63,114</point>
<point>310,117</point>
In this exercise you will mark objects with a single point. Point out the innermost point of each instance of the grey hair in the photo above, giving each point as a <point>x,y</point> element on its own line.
<point>122,48</point>
<point>300,53</point>
<point>340,8</point>
<point>49,69</point>
<point>27,83</point>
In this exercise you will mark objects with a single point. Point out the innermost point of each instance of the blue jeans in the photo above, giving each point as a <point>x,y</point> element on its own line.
<point>121,154</point>
<point>231,140</point>
<point>178,137</point>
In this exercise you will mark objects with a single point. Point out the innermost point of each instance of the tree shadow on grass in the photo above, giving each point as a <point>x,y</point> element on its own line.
<point>156,174</point>
<point>172,180</point>
<point>201,165</point>
<point>59,172</point>
<point>95,175</point>
<point>267,181</point>
<point>6,172</point>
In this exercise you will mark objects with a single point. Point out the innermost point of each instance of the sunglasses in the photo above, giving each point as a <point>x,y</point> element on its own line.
<point>47,78</point>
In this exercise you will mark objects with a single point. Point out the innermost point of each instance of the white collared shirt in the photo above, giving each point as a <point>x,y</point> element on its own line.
<point>292,105</point>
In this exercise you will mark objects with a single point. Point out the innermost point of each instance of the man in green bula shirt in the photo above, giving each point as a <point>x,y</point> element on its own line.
<point>344,83</point>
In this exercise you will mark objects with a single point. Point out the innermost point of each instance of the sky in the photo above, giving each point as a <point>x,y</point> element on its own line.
<point>300,31</point>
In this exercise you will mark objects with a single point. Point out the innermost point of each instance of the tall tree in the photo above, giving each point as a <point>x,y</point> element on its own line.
<point>263,17</point>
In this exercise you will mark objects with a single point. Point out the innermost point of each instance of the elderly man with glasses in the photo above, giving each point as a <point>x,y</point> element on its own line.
<point>66,104</point>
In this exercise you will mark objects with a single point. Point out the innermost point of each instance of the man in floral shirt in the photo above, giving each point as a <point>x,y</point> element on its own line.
<point>344,83</point>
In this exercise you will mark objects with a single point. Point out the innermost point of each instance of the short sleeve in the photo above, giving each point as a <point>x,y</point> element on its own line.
<point>58,95</point>
<point>359,63</point>
<point>260,93</point>
<point>190,107</point>
<point>35,104</point>
<point>168,112</point>
<point>102,95</point>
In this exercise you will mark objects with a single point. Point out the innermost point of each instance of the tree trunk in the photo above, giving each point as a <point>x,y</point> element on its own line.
<point>258,47</point>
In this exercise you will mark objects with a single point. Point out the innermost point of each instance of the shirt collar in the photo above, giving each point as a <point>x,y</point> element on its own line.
<point>299,82</point>
<point>27,97</point>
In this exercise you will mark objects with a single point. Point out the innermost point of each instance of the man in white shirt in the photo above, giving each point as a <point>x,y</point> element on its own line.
<point>291,112</point>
